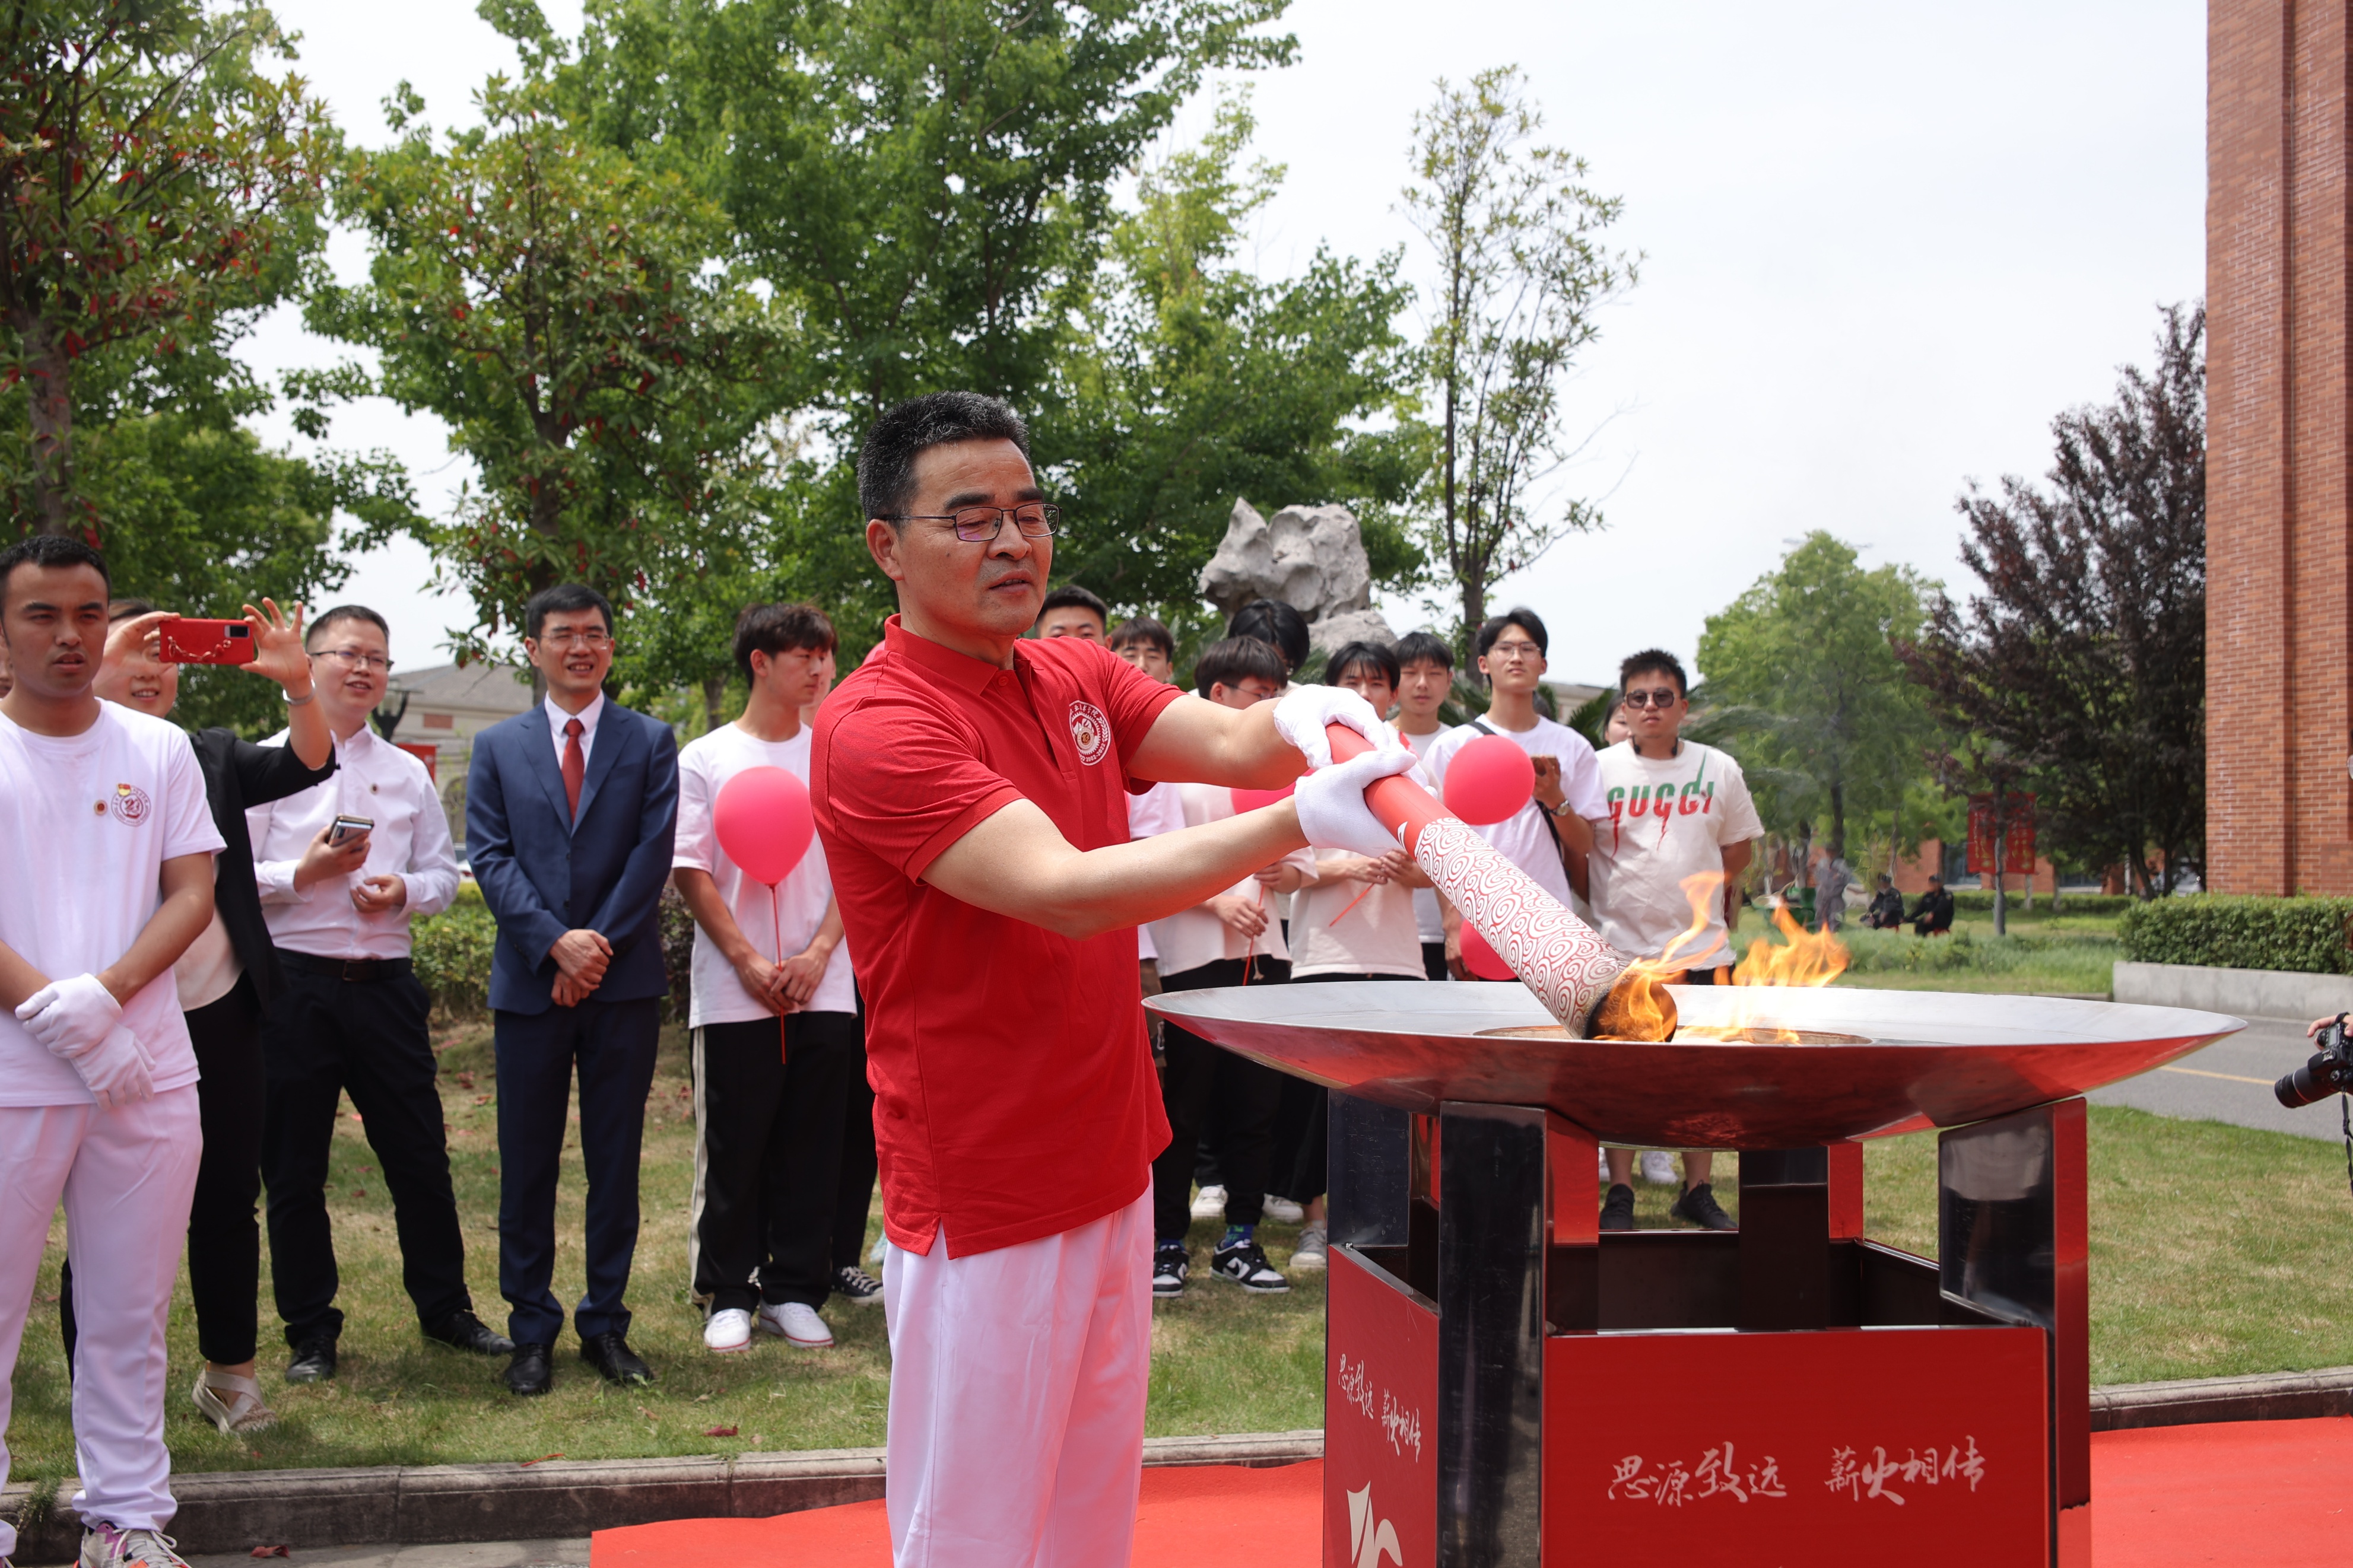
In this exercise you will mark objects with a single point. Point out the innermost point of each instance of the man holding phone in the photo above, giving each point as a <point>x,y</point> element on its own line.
<point>342,868</point>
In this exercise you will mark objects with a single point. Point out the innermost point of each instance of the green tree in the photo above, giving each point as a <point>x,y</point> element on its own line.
<point>1522,277</point>
<point>1804,685</point>
<point>1191,381</point>
<point>553,302</point>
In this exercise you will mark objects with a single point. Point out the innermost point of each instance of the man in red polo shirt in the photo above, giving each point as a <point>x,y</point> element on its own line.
<point>971,790</point>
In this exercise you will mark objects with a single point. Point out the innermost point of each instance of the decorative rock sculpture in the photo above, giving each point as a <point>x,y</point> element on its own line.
<point>1310,557</point>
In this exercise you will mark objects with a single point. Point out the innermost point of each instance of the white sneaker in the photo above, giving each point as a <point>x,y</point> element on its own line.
<point>1209,1203</point>
<point>1282,1211</point>
<point>797,1323</point>
<point>1311,1252</point>
<point>727,1330</point>
<point>104,1546</point>
<point>1659,1167</point>
<point>874,1253</point>
<point>1605,1170</point>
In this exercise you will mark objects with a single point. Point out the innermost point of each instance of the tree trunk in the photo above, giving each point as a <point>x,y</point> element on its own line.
<point>714,691</point>
<point>50,412</point>
<point>1838,820</point>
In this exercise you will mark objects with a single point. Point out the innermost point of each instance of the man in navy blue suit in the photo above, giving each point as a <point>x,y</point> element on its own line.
<point>570,811</point>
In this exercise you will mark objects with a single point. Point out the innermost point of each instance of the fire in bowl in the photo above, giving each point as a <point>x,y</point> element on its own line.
<point>1748,1068</point>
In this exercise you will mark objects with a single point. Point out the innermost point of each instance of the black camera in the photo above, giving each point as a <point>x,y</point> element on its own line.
<point>2330,1070</point>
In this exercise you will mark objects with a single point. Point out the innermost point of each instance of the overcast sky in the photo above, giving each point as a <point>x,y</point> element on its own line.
<point>1882,247</point>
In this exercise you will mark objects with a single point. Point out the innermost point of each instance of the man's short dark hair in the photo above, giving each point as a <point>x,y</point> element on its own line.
<point>1235,661</point>
<point>1350,655</point>
<point>127,609</point>
<point>1519,615</point>
<point>1652,661</point>
<point>339,614</point>
<point>562,599</point>
<point>1143,628</point>
<point>1424,647</point>
<point>886,458</point>
<point>773,630</point>
<point>1277,626</point>
<point>50,550</point>
<point>1070,593</point>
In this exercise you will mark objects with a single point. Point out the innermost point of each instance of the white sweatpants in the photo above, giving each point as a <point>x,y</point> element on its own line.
<point>127,1177</point>
<point>1017,1383</point>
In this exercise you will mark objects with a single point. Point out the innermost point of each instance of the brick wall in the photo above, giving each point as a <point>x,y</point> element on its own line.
<point>2279,805</point>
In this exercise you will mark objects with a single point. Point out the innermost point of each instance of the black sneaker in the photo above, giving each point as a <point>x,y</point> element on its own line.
<point>1169,1264</point>
<point>1699,1207</point>
<point>315,1360</point>
<point>1617,1207</point>
<point>1245,1264</point>
<point>852,1283</point>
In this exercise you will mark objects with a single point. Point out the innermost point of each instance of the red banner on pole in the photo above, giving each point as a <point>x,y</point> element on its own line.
<point>2017,848</point>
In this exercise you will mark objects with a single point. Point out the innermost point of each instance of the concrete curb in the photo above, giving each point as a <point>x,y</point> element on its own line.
<point>563,1498</point>
<point>554,1498</point>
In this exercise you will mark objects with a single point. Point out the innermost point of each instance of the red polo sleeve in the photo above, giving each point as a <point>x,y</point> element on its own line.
<point>904,780</point>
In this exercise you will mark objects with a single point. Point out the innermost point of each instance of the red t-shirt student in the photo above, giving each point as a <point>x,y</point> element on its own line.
<point>996,1117</point>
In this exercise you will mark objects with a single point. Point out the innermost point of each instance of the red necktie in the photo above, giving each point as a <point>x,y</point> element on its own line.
<point>575,765</point>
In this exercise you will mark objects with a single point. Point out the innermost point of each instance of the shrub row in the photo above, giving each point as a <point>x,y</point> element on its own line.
<point>1979,901</point>
<point>2306,936</point>
<point>452,951</point>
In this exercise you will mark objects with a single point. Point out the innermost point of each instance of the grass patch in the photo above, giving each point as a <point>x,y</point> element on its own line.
<point>2215,1249</point>
<point>2074,950</point>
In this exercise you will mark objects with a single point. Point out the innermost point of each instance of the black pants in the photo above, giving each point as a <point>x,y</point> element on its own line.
<point>854,1192</point>
<point>768,1103</point>
<point>613,1045</point>
<point>326,1037</point>
<point>1303,1120</point>
<point>1433,960</point>
<point>1245,1094</point>
<point>224,1238</point>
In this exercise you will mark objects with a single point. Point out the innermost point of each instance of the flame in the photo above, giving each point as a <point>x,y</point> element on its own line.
<point>1638,1008</point>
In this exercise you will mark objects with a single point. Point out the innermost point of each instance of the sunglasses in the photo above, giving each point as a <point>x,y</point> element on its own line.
<point>1661,697</point>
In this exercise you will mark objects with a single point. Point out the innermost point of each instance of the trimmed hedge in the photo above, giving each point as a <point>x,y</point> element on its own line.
<point>2302,936</point>
<point>452,951</point>
<point>1979,901</point>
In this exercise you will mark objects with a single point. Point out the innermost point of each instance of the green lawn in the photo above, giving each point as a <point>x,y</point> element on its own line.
<point>2215,1249</point>
<point>2042,951</point>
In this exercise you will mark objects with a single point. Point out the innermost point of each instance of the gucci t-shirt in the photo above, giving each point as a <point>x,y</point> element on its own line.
<point>89,819</point>
<point>1668,821</point>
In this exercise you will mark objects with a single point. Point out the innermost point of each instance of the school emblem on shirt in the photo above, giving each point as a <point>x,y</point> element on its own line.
<point>1090,730</point>
<point>130,804</point>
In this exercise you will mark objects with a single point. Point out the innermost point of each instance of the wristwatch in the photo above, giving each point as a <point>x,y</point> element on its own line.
<point>1560,810</point>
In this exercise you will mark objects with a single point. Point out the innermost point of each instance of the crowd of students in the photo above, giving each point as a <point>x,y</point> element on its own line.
<point>234,957</point>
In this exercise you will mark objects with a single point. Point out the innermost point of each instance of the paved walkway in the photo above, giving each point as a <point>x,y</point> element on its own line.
<point>2232,1081</point>
<point>466,1554</point>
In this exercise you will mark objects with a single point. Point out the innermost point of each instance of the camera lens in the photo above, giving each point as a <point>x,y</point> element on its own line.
<point>2314,1082</point>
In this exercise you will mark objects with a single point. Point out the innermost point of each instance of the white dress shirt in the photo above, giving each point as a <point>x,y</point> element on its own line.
<point>557,718</point>
<point>376,780</point>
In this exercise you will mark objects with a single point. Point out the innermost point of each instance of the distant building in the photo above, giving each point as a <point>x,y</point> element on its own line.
<point>441,710</point>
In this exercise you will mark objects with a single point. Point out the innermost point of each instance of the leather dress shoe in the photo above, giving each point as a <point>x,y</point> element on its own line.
<point>464,1332</point>
<point>314,1361</point>
<point>532,1370</point>
<point>610,1354</point>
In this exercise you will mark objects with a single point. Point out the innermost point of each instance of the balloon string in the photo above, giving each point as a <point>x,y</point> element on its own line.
<point>776,925</point>
<point>1250,955</point>
<point>1351,904</point>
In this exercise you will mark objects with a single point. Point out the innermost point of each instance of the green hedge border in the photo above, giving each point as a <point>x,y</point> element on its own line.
<point>2299,936</point>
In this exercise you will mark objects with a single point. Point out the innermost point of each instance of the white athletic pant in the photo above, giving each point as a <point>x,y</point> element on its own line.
<point>1018,1382</point>
<point>126,1177</point>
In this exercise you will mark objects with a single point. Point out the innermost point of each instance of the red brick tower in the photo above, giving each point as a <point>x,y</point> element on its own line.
<point>2279,148</point>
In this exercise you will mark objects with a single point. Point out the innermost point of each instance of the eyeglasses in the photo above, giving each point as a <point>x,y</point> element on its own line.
<point>982,524</point>
<point>567,637</point>
<point>1515,649</point>
<point>1662,697</point>
<point>354,658</point>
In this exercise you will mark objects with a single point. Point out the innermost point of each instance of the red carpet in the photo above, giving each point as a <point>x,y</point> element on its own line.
<point>2268,1493</point>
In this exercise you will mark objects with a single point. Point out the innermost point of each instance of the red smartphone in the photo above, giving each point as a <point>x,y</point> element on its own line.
<point>188,640</point>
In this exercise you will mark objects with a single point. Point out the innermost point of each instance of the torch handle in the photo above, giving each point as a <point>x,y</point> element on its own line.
<point>1404,807</point>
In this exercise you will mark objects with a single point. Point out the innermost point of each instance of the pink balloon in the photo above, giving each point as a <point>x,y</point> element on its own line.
<point>1478,957</point>
<point>762,819</point>
<point>1489,781</point>
<point>1251,799</point>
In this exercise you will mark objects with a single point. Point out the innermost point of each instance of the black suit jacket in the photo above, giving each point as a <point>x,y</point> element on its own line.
<point>239,774</point>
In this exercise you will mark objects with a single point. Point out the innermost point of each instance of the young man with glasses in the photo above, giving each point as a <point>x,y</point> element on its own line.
<point>1677,810</point>
<point>1548,838</point>
<point>971,793</point>
<point>571,819</point>
<point>342,868</point>
<point>1425,681</point>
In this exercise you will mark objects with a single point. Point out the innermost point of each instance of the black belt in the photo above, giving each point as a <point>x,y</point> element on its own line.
<point>346,968</point>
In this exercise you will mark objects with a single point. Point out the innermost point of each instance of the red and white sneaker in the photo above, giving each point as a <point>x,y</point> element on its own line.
<point>104,1546</point>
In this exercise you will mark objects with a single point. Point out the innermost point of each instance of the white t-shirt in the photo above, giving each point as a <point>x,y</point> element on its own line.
<point>1191,938</point>
<point>1375,934</point>
<point>799,903</point>
<point>85,824</point>
<point>1524,839</point>
<point>1428,923</point>
<point>1156,811</point>
<point>1668,820</point>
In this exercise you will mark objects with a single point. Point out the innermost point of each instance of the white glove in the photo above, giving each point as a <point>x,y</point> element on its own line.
<point>1299,716</point>
<point>1331,802</point>
<point>118,1070</point>
<point>71,1016</point>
